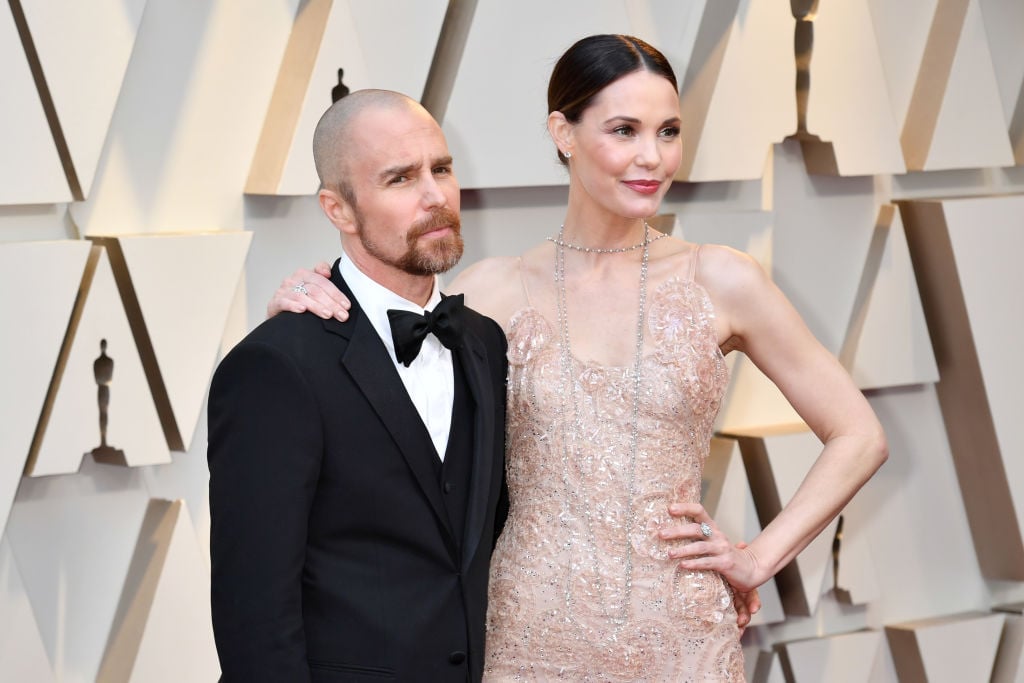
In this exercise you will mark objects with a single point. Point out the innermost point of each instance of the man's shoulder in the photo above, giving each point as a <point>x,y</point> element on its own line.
<point>289,334</point>
<point>282,326</point>
<point>486,328</point>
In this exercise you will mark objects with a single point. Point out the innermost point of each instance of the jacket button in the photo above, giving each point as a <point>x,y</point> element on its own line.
<point>457,657</point>
<point>447,487</point>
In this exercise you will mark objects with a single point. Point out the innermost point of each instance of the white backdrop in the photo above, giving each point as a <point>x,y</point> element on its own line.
<point>175,157</point>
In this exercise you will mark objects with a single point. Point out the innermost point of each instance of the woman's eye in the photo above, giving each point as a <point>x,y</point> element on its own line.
<point>623,130</point>
<point>670,132</point>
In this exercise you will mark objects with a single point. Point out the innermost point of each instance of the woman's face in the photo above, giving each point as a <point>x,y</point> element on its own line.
<point>626,146</point>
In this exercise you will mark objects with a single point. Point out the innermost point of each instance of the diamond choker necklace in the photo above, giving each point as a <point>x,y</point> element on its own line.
<point>614,250</point>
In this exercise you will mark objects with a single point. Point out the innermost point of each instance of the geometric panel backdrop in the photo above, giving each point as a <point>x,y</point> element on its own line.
<point>1009,666</point>
<point>183,138</point>
<point>737,91</point>
<point>887,344</point>
<point>952,649</point>
<point>369,46</point>
<point>22,655</point>
<point>182,287</point>
<point>142,346</point>
<point>821,238</point>
<point>100,400</point>
<point>776,461</point>
<point>1004,25</point>
<point>514,103</point>
<point>727,56</point>
<point>763,666</point>
<point>162,630</point>
<point>752,401</point>
<point>30,168</point>
<point>851,658</point>
<point>727,498</point>
<point>970,130</point>
<point>731,58</point>
<point>942,84</point>
<point>848,105</point>
<point>966,256</point>
<point>73,539</point>
<point>33,326</point>
<point>852,576</point>
<point>83,50</point>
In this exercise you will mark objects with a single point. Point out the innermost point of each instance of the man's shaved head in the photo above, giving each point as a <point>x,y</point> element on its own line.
<point>386,151</point>
<point>331,139</point>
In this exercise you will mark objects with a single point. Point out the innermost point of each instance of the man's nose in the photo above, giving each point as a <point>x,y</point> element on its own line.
<point>432,196</point>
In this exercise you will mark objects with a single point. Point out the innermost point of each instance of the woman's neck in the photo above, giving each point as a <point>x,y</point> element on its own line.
<point>602,232</point>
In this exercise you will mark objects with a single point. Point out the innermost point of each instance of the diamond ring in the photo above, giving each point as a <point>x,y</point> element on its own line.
<point>705,529</point>
<point>301,288</point>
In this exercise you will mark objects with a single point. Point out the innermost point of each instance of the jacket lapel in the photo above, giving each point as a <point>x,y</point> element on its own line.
<point>367,363</point>
<point>474,364</point>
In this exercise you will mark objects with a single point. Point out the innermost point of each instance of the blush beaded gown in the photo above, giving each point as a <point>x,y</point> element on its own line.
<point>581,588</point>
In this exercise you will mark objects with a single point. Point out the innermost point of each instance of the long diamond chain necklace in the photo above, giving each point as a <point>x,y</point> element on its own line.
<point>569,383</point>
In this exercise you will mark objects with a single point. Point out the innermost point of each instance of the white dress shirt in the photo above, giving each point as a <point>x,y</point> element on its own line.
<point>430,378</point>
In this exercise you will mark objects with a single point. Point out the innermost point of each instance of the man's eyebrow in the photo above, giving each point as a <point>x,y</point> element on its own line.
<point>398,170</point>
<point>407,169</point>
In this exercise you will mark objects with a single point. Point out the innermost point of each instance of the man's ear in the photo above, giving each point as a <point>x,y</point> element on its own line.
<point>338,211</point>
<point>561,131</point>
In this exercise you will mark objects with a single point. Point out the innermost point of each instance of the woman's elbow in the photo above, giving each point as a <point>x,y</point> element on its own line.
<point>877,448</point>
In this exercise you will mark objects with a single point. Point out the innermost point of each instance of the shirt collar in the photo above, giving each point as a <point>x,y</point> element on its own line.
<point>375,299</point>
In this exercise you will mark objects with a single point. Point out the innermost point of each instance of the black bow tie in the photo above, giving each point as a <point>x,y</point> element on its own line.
<point>408,329</point>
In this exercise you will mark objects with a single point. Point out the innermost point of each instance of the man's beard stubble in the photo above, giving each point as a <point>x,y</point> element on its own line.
<point>436,256</point>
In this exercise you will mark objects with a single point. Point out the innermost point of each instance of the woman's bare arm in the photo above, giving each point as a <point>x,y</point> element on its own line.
<point>755,317</point>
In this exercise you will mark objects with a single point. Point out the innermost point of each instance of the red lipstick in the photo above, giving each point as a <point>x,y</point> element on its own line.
<point>643,186</point>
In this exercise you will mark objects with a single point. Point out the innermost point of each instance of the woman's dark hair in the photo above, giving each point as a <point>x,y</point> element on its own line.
<point>593,63</point>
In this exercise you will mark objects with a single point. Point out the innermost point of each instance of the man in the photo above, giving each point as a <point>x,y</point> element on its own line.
<point>356,486</point>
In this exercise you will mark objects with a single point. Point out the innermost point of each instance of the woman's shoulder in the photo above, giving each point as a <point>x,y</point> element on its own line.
<point>711,265</point>
<point>733,281</point>
<point>724,269</point>
<point>492,286</point>
<point>477,277</point>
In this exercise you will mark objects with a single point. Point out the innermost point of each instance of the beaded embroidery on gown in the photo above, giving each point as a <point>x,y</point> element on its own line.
<point>564,603</point>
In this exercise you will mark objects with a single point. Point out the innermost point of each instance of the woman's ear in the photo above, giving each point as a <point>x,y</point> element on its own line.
<point>338,211</point>
<point>561,131</point>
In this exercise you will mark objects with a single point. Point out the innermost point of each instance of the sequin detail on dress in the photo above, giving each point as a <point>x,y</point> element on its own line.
<point>558,579</point>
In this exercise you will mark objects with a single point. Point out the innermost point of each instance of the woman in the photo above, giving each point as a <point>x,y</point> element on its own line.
<point>616,341</point>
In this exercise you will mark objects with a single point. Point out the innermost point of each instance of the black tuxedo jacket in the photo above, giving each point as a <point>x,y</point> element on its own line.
<point>332,556</point>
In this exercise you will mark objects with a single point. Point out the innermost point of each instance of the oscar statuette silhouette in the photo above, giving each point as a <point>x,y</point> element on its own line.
<point>103,370</point>
<point>340,90</point>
